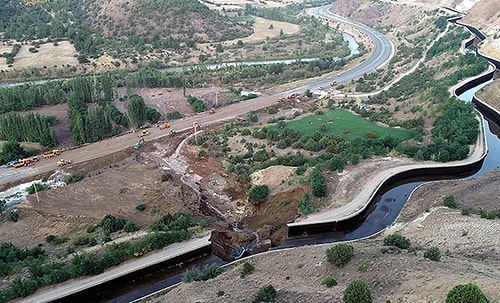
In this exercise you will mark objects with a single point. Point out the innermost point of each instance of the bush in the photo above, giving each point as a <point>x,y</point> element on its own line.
<point>166,177</point>
<point>329,281</point>
<point>466,211</point>
<point>318,183</point>
<point>140,207</point>
<point>340,254</point>
<point>73,178</point>
<point>202,273</point>
<point>12,215</point>
<point>466,293</point>
<point>247,269</point>
<point>112,224</point>
<point>130,227</point>
<point>397,240</point>
<point>433,254</point>
<point>81,240</point>
<point>357,292</point>
<point>258,194</point>
<point>36,187</point>
<point>449,202</point>
<point>265,294</point>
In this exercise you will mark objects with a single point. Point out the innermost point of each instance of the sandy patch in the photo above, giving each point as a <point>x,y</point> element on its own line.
<point>48,56</point>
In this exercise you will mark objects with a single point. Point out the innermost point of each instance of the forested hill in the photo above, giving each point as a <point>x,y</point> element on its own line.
<point>115,25</point>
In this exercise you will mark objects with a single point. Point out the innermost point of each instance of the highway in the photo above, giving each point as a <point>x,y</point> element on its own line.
<point>384,50</point>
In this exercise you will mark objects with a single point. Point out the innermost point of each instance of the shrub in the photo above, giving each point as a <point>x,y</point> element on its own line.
<point>329,281</point>
<point>81,240</point>
<point>363,266</point>
<point>202,273</point>
<point>357,292</point>
<point>466,211</point>
<point>166,177</point>
<point>466,293</point>
<point>140,207</point>
<point>397,240</point>
<point>265,294</point>
<point>304,205</point>
<point>449,202</point>
<point>73,178</point>
<point>220,293</point>
<point>130,227</point>
<point>112,224</point>
<point>12,215</point>
<point>36,187</point>
<point>258,194</point>
<point>247,269</point>
<point>301,170</point>
<point>318,183</point>
<point>340,254</point>
<point>433,254</point>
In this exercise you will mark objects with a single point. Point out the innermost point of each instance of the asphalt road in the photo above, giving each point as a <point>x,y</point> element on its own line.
<point>383,52</point>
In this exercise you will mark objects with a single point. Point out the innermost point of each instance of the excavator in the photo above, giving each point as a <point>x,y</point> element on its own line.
<point>139,143</point>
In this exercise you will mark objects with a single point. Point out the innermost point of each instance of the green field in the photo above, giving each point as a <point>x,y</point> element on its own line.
<point>344,124</point>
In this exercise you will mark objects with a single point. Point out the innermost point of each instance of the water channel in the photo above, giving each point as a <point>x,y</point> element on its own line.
<point>381,214</point>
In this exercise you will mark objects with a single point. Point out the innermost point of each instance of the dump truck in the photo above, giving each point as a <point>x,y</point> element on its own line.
<point>165,125</point>
<point>20,163</point>
<point>212,110</point>
<point>52,153</point>
<point>143,133</point>
<point>63,162</point>
<point>334,83</point>
<point>139,143</point>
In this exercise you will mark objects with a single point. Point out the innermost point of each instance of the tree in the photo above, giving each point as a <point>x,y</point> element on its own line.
<point>258,194</point>
<point>357,292</point>
<point>466,293</point>
<point>339,254</point>
<point>318,183</point>
<point>12,150</point>
<point>137,110</point>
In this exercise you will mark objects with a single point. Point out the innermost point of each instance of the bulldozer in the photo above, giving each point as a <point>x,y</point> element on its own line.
<point>143,133</point>
<point>63,162</point>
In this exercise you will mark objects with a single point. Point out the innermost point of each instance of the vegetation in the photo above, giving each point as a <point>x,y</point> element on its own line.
<point>397,240</point>
<point>265,294</point>
<point>357,292</point>
<point>247,269</point>
<point>318,183</point>
<point>258,194</point>
<point>30,128</point>
<point>202,273</point>
<point>433,254</point>
<point>304,205</point>
<point>328,281</point>
<point>340,254</point>
<point>449,201</point>
<point>466,293</point>
<point>73,178</point>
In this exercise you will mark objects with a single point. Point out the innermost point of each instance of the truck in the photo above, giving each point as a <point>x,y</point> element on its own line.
<point>25,162</point>
<point>212,110</point>
<point>63,162</point>
<point>165,125</point>
<point>334,83</point>
<point>52,153</point>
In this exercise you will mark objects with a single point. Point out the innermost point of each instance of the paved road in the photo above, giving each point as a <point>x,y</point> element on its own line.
<point>383,52</point>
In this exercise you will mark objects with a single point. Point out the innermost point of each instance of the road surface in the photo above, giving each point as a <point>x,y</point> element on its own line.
<point>383,52</point>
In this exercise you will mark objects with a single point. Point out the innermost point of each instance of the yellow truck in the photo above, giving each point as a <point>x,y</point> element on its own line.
<point>144,133</point>
<point>52,153</point>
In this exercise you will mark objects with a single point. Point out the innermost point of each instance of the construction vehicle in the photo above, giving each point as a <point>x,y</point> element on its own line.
<point>292,96</point>
<point>20,163</point>
<point>143,133</point>
<point>282,99</point>
<point>139,143</point>
<point>165,125</point>
<point>63,162</point>
<point>212,110</point>
<point>52,153</point>
<point>25,162</point>
<point>333,83</point>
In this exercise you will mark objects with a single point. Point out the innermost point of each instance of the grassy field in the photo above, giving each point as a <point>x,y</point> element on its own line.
<point>344,124</point>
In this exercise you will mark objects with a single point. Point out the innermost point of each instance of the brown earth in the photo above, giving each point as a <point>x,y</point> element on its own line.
<point>117,183</point>
<point>468,244</point>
